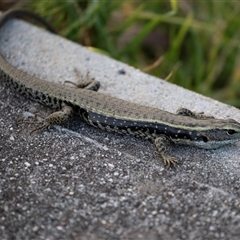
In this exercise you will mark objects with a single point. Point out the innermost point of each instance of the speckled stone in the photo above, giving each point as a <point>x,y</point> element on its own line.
<point>77,182</point>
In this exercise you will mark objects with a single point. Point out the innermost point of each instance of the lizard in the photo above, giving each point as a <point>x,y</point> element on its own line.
<point>108,113</point>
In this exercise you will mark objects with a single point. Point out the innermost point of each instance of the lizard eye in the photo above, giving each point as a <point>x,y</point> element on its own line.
<point>231,132</point>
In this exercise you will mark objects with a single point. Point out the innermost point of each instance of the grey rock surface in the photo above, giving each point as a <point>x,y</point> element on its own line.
<point>77,182</point>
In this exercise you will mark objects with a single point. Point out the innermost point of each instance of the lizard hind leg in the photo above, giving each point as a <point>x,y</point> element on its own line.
<point>85,82</point>
<point>59,117</point>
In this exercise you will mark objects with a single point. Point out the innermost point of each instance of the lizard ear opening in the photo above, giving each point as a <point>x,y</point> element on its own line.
<point>205,138</point>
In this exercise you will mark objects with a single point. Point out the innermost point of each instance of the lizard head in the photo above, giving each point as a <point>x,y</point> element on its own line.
<point>221,132</point>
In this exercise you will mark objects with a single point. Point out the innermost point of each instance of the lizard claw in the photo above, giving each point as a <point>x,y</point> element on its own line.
<point>170,161</point>
<point>42,127</point>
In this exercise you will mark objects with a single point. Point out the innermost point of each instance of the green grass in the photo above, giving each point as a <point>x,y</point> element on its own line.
<point>194,44</point>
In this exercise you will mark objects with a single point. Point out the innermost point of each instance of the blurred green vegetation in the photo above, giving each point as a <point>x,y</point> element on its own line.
<point>194,44</point>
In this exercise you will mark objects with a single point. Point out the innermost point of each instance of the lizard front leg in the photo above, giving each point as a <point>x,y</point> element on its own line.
<point>162,144</point>
<point>189,113</point>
